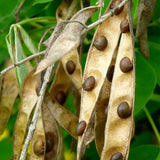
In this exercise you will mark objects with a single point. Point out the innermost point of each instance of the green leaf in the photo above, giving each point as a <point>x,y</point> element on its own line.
<point>158,157</point>
<point>22,70</point>
<point>145,82</point>
<point>41,1</point>
<point>27,40</point>
<point>145,152</point>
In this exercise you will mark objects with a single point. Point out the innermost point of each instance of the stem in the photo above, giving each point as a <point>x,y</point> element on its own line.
<point>155,97</point>
<point>156,132</point>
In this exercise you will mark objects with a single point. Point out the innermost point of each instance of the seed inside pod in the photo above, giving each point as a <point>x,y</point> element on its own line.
<point>114,4</point>
<point>126,65</point>
<point>60,97</point>
<point>124,26</point>
<point>101,44</point>
<point>80,128</point>
<point>49,141</point>
<point>117,156</point>
<point>110,73</point>
<point>70,66</point>
<point>124,110</point>
<point>89,83</point>
<point>39,147</point>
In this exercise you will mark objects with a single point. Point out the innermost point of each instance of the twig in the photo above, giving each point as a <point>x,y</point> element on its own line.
<point>21,62</point>
<point>36,112</point>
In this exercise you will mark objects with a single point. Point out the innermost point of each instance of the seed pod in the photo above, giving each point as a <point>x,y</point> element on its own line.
<point>89,83</point>
<point>49,141</point>
<point>124,26</point>
<point>126,65</point>
<point>60,97</point>
<point>70,66</point>
<point>39,147</point>
<point>124,110</point>
<point>110,73</point>
<point>114,4</point>
<point>80,128</point>
<point>117,156</point>
<point>101,44</point>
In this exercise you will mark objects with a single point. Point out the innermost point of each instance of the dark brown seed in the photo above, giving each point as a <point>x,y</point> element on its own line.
<point>126,65</point>
<point>124,110</point>
<point>60,97</point>
<point>114,4</point>
<point>110,73</point>
<point>38,147</point>
<point>89,83</point>
<point>49,141</point>
<point>80,128</point>
<point>101,44</point>
<point>117,156</point>
<point>70,66</point>
<point>124,26</point>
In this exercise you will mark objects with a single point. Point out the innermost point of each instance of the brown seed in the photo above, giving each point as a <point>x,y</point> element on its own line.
<point>49,141</point>
<point>39,147</point>
<point>101,44</point>
<point>117,156</point>
<point>124,26</point>
<point>89,83</point>
<point>124,110</point>
<point>60,97</point>
<point>126,65</point>
<point>114,4</point>
<point>80,128</point>
<point>70,66</point>
<point>110,73</point>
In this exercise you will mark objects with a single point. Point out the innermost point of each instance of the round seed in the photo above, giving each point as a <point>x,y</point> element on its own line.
<point>117,156</point>
<point>114,4</point>
<point>124,26</point>
<point>124,110</point>
<point>80,128</point>
<point>126,65</point>
<point>110,73</point>
<point>49,141</point>
<point>60,97</point>
<point>101,44</point>
<point>70,66</point>
<point>39,147</point>
<point>89,83</point>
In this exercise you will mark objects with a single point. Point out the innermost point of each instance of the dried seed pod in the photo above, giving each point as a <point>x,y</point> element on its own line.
<point>114,4</point>
<point>60,97</point>
<point>126,65</point>
<point>39,147</point>
<point>70,66</point>
<point>124,110</point>
<point>49,141</point>
<point>101,44</point>
<point>110,73</point>
<point>117,156</point>
<point>80,128</point>
<point>124,26</point>
<point>89,83</point>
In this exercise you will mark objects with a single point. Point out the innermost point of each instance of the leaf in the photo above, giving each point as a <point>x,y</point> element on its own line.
<point>41,1</point>
<point>146,77</point>
<point>68,40</point>
<point>149,152</point>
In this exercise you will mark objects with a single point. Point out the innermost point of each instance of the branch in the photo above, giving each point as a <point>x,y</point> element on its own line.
<point>36,112</point>
<point>21,62</point>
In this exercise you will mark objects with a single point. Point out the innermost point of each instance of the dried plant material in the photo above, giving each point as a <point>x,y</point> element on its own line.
<point>28,101</point>
<point>68,39</point>
<point>118,129</point>
<point>9,92</point>
<point>38,146</point>
<point>51,133</point>
<point>65,118</point>
<point>97,64</point>
<point>145,14</point>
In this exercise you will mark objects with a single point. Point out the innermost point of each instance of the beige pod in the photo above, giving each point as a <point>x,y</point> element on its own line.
<point>97,64</point>
<point>119,126</point>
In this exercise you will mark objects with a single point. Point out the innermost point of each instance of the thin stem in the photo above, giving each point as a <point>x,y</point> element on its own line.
<point>155,97</point>
<point>156,132</point>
